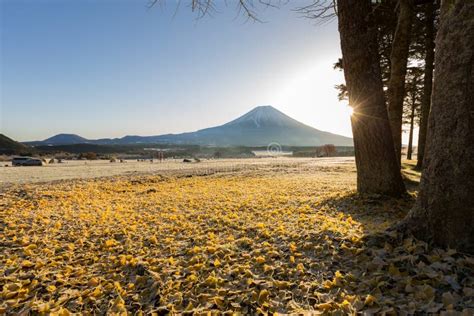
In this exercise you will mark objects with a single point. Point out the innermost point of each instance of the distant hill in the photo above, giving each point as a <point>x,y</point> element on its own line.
<point>260,127</point>
<point>61,139</point>
<point>10,147</point>
<point>65,139</point>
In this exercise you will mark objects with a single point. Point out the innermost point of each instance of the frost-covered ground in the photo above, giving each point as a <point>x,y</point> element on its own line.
<point>79,169</point>
<point>286,237</point>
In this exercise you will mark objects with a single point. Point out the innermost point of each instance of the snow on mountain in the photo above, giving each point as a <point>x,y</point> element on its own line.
<point>65,139</point>
<point>262,116</point>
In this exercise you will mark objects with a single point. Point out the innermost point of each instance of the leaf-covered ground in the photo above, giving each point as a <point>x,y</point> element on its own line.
<point>271,241</point>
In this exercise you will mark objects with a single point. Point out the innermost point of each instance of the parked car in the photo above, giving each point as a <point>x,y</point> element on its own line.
<point>26,161</point>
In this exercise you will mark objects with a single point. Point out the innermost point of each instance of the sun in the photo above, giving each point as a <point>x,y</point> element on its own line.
<point>350,110</point>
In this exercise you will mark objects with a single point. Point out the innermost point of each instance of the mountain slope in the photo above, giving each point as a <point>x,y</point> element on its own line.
<point>10,147</point>
<point>259,127</point>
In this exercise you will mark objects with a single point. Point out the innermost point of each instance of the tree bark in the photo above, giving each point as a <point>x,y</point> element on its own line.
<point>444,212</point>
<point>412,123</point>
<point>428,82</point>
<point>398,61</point>
<point>377,167</point>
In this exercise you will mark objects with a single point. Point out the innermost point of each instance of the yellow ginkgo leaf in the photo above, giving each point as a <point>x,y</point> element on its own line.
<point>292,259</point>
<point>260,259</point>
<point>325,306</point>
<point>110,242</point>
<point>263,296</point>
<point>370,300</point>
<point>27,264</point>
<point>153,239</point>
<point>97,292</point>
<point>300,267</point>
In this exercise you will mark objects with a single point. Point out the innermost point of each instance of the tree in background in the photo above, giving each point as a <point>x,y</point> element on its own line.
<point>88,156</point>
<point>327,150</point>
<point>398,67</point>
<point>430,15</point>
<point>415,82</point>
<point>411,113</point>
<point>342,94</point>
<point>385,17</point>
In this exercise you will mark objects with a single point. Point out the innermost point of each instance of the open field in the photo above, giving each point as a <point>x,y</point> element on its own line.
<point>281,235</point>
<point>81,169</point>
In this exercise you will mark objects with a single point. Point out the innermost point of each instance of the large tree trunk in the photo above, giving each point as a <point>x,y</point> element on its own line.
<point>444,212</point>
<point>398,70</point>
<point>377,167</point>
<point>412,125</point>
<point>428,81</point>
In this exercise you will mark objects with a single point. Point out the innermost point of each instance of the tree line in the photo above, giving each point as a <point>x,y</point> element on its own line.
<point>408,87</point>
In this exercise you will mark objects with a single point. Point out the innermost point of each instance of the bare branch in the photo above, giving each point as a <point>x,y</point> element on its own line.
<point>320,10</point>
<point>248,8</point>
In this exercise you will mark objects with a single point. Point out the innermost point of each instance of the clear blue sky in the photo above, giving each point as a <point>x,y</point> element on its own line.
<point>114,68</point>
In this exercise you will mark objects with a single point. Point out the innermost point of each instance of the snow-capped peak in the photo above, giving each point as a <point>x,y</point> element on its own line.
<point>263,116</point>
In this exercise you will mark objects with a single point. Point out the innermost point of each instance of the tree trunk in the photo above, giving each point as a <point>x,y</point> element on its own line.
<point>412,123</point>
<point>428,82</point>
<point>444,212</point>
<point>377,167</point>
<point>398,61</point>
